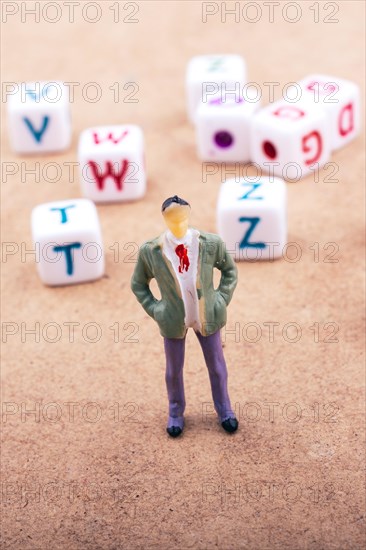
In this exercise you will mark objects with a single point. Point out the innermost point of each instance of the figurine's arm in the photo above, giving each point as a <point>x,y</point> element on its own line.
<point>229,272</point>
<point>140,283</point>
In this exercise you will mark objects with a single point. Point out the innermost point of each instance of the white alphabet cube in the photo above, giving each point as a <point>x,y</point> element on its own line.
<point>223,129</point>
<point>39,118</point>
<point>112,166</point>
<point>252,217</point>
<point>290,139</point>
<point>209,74</point>
<point>68,239</point>
<point>341,101</point>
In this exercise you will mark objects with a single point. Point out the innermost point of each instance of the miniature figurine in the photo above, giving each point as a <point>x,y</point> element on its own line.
<point>182,261</point>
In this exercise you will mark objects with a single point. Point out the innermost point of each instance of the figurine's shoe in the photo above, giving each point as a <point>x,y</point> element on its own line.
<point>230,425</point>
<point>174,431</point>
<point>175,425</point>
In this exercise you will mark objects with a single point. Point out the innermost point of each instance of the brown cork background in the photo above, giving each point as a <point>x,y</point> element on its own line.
<point>93,468</point>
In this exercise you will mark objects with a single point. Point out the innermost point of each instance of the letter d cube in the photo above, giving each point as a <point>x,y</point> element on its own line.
<point>341,100</point>
<point>251,217</point>
<point>70,242</point>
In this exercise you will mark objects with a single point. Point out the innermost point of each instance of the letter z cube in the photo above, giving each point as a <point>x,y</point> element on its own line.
<point>252,217</point>
<point>208,75</point>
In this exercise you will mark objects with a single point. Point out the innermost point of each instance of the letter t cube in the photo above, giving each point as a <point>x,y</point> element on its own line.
<point>68,237</point>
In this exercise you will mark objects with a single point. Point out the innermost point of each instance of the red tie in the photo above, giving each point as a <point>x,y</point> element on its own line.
<point>181,252</point>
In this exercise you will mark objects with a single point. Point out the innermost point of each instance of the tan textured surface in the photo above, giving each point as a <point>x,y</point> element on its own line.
<point>116,484</point>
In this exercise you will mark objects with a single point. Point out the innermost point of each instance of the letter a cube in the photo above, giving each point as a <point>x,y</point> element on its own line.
<point>39,118</point>
<point>252,217</point>
<point>290,140</point>
<point>111,160</point>
<point>340,99</point>
<point>68,237</point>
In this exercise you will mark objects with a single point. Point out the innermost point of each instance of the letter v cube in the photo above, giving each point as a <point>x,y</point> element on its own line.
<point>252,218</point>
<point>39,118</point>
<point>111,160</point>
<point>68,237</point>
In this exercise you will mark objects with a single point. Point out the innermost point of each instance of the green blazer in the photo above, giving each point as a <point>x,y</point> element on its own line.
<point>169,311</point>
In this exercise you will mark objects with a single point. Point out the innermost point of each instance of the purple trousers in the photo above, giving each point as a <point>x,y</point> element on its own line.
<point>215,361</point>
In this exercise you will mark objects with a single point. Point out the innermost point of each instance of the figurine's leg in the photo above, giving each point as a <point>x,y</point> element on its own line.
<point>216,365</point>
<point>174,353</point>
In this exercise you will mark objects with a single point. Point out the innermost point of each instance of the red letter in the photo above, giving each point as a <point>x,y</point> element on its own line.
<point>306,148</point>
<point>110,137</point>
<point>289,112</point>
<point>344,129</point>
<point>323,87</point>
<point>117,176</point>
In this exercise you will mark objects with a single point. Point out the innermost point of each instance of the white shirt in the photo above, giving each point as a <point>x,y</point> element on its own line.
<point>183,255</point>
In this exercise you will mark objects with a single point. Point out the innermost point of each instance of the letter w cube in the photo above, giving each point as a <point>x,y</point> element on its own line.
<point>111,160</point>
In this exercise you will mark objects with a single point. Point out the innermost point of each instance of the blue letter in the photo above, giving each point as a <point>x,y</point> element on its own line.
<point>254,186</point>
<point>63,212</point>
<point>245,241</point>
<point>68,255</point>
<point>37,133</point>
<point>216,64</point>
<point>32,94</point>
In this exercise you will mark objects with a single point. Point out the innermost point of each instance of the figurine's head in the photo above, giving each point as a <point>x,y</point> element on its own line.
<point>176,212</point>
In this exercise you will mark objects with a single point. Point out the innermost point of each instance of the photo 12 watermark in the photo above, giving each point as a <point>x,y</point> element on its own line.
<point>27,12</point>
<point>32,492</point>
<point>270,332</point>
<point>221,93</point>
<point>48,93</point>
<point>269,491</point>
<point>272,412</point>
<point>270,12</point>
<point>69,412</point>
<point>252,172</point>
<point>72,332</point>
<point>96,175</point>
